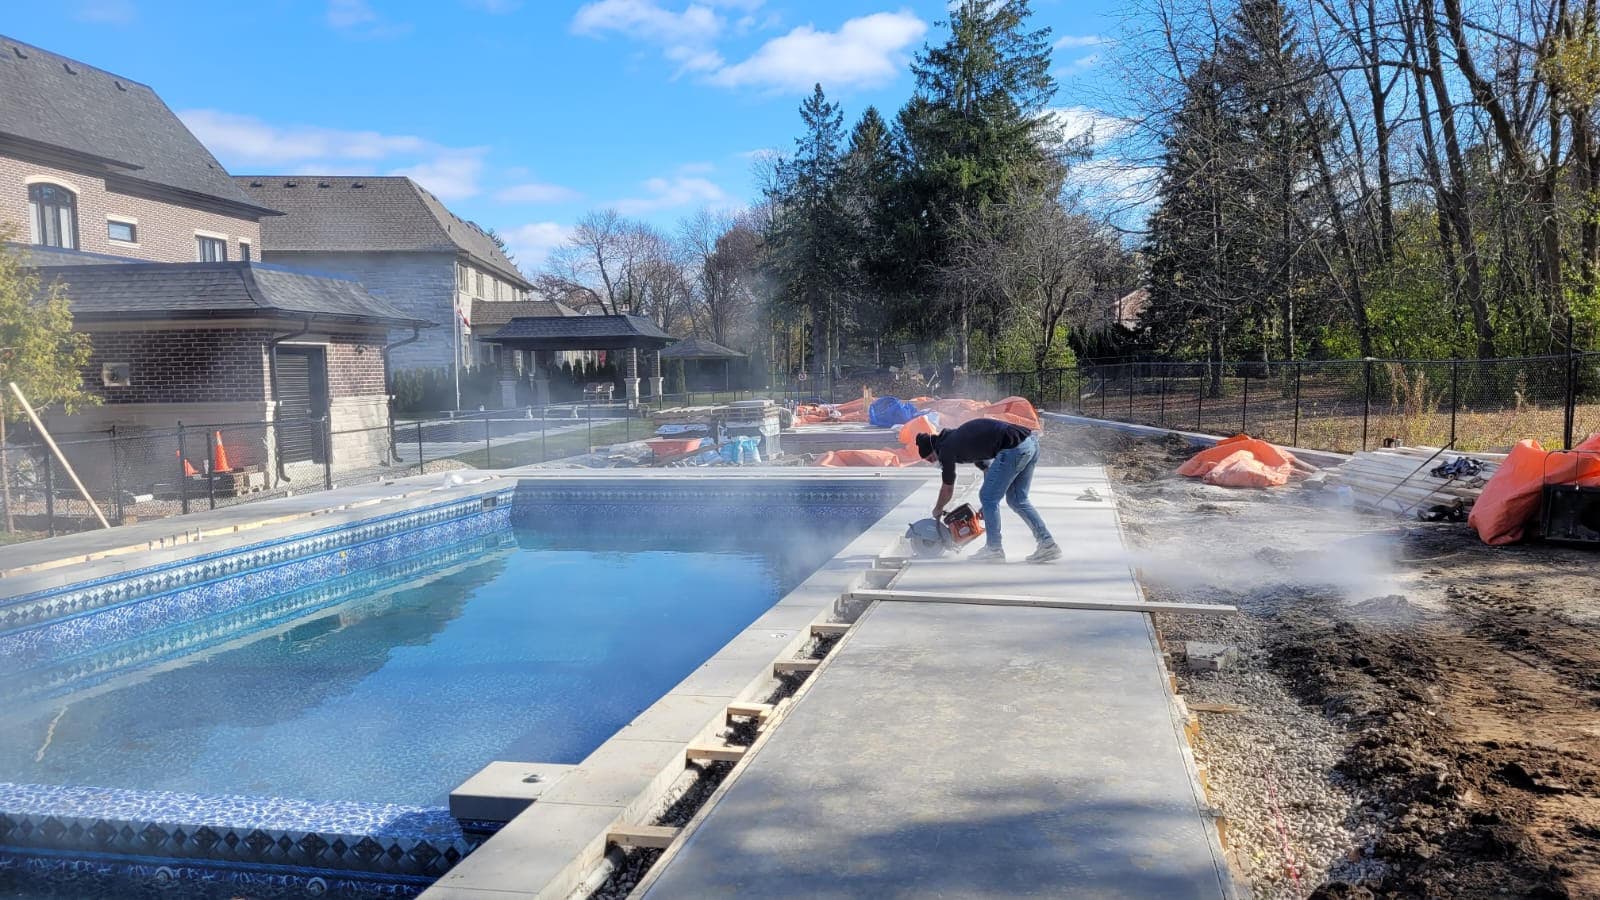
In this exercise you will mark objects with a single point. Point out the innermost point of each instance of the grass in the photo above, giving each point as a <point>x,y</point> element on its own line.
<point>558,446</point>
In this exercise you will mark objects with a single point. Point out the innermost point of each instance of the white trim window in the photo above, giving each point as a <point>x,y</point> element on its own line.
<point>53,215</point>
<point>211,249</point>
<point>122,231</point>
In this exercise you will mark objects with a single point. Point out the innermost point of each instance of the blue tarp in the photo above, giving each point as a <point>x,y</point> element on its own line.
<point>887,412</point>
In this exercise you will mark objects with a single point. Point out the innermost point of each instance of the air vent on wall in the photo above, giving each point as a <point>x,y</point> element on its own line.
<point>19,53</point>
<point>68,67</point>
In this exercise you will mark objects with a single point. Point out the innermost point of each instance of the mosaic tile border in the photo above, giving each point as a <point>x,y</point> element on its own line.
<point>368,838</point>
<point>102,663</point>
<point>166,873</point>
<point>123,587</point>
<point>53,641</point>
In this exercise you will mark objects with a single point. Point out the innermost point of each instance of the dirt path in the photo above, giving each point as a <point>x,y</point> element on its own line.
<point>1419,714</point>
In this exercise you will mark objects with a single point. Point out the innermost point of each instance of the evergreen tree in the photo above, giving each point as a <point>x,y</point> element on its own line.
<point>974,134</point>
<point>808,234</point>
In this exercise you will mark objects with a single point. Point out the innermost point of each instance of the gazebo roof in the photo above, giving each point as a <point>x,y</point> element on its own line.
<point>581,333</point>
<point>699,348</point>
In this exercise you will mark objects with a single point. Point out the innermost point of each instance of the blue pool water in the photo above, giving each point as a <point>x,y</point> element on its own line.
<point>532,647</point>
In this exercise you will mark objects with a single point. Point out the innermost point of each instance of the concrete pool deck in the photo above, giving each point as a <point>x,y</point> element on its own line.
<point>971,750</point>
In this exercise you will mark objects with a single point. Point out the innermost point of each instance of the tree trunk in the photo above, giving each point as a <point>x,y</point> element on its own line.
<point>819,344</point>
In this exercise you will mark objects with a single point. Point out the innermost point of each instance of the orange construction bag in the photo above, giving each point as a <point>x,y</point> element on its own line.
<point>1511,498</point>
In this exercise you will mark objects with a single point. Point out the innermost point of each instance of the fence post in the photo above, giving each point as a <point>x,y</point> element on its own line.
<point>1161,404</point>
<point>183,471</point>
<point>1572,390</point>
<point>1244,407</point>
<point>1079,408</point>
<point>544,417</point>
<point>1366,400</point>
<point>211,484</point>
<point>590,431</point>
<point>1130,392</point>
<point>420,461</point>
<point>327,452</point>
<point>1104,390</point>
<point>1455,397</point>
<point>1294,439</point>
<point>116,476</point>
<point>1200,403</point>
<point>49,495</point>
<point>488,444</point>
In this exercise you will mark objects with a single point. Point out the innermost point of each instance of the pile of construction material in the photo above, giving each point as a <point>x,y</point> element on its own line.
<point>1403,480</point>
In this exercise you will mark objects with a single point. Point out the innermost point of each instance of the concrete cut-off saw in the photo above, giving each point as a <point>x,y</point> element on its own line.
<point>936,537</point>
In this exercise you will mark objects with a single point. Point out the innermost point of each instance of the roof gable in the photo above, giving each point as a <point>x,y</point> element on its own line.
<point>384,213</point>
<point>52,102</point>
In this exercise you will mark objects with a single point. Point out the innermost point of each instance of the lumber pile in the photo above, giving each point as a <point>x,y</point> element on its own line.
<point>1398,479</point>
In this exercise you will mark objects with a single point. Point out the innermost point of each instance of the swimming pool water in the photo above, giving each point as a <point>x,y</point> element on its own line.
<point>537,651</point>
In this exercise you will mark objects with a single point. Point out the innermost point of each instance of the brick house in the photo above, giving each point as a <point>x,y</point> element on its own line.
<point>94,162</point>
<point>402,243</point>
<point>226,347</point>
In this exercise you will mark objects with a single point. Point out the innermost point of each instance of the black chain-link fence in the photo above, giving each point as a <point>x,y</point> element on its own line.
<point>134,474</point>
<point>1339,405</point>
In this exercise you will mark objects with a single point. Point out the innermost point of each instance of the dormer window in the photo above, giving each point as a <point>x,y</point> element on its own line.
<point>53,213</point>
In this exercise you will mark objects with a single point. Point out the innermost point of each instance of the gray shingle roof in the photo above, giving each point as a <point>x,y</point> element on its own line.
<point>60,103</point>
<point>699,348</point>
<point>493,313</point>
<point>582,333</point>
<point>214,290</point>
<point>389,213</point>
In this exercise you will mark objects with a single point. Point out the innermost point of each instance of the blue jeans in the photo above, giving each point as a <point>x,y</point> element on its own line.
<point>1010,475</point>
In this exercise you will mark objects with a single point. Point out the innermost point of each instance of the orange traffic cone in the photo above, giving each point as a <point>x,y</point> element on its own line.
<point>188,470</point>
<point>219,456</point>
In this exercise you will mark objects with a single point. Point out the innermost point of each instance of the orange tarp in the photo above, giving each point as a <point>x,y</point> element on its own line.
<point>1241,461</point>
<point>854,411</point>
<point>1511,498</point>
<point>876,458</point>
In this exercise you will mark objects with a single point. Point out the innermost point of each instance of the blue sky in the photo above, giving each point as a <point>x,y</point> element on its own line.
<point>523,114</point>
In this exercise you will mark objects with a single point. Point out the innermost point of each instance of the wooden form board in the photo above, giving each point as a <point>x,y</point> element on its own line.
<point>1042,602</point>
<point>650,837</point>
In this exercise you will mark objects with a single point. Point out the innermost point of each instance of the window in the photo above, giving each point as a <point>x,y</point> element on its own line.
<point>213,249</point>
<point>126,232</point>
<point>244,250</point>
<point>461,277</point>
<point>477,281</point>
<point>54,213</point>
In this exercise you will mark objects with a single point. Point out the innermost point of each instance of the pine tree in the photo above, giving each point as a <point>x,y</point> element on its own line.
<point>974,134</point>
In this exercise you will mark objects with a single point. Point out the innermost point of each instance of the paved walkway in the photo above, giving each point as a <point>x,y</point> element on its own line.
<point>972,750</point>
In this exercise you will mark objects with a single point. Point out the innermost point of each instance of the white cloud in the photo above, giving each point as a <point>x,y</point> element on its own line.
<point>1079,121</point>
<point>647,20</point>
<point>1085,62</point>
<point>452,176</point>
<point>685,188</point>
<point>249,140</point>
<point>865,51</point>
<point>531,244</point>
<point>1077,41</point>
<point>105,12</point>
<point>537,192</point>
<point>495,7</point>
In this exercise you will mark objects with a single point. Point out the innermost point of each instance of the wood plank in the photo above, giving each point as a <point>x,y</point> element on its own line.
<point>792,666</point>
<point>1224,708</point>
<point>759,711</point>
<point>1042,602</point>
<point>829,629</point>
<point>713,753</point>
<point>650,837</point>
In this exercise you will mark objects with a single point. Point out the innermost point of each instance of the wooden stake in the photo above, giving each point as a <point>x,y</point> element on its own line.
<point>59,455</point>
<point>829,629</point>
<point>651,837</point>
<point>792,666</point>
<point>708,753</point>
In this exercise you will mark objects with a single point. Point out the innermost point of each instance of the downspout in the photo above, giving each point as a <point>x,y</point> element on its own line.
<point>272,378</point>
<point>388,384</point>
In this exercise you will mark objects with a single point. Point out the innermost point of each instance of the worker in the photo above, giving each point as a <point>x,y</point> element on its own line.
<point>1007,454</point>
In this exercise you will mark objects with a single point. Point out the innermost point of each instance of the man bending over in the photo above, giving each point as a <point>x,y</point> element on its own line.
<point>1007,454</point>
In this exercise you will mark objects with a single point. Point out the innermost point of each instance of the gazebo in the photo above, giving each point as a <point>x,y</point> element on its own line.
<point>533,334</point>
<point>701,350</point>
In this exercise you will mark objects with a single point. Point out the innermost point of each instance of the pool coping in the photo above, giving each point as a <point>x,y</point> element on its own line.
<point>547,850</point>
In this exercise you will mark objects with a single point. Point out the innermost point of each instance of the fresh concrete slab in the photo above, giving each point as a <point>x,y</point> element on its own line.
<point>973,750</point>
<point>501,790</point>
<point>966,751</point>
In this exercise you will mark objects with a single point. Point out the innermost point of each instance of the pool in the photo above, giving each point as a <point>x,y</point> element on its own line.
<point>309,704</point>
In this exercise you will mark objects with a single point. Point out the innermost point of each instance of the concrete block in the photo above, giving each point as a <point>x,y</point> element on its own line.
<point>619,775</point>
<point>539,853</point>
<point>1203,656</point>
<point>502,790</point>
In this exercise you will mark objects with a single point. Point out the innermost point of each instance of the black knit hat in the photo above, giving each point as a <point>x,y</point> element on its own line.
<point>925,445</point>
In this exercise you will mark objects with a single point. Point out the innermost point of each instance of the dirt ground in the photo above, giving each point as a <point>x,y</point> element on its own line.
<point>1411,713</point>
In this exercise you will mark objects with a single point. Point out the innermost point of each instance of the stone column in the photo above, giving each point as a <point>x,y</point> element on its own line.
<point>657,383</point>
<point>541,379</point>
<point>630,377</point>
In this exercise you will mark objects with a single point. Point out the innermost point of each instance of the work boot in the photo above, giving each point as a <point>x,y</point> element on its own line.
<point>989,554</point>
<point>1047,552</point>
